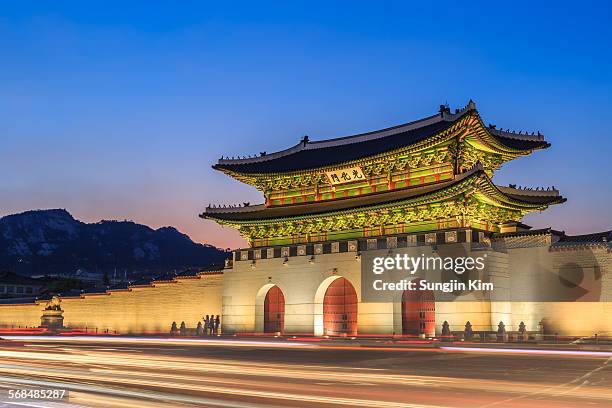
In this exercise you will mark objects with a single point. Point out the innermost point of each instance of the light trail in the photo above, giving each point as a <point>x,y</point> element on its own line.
<point>104,366</point>
<point>165,341</point>
<point>578,353</point>
<point>297,345</point>
<point>139,375</point>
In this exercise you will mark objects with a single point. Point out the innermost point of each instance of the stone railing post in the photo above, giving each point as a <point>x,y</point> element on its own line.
<point>446,333</point>
<point>468,333</point>
<point>502,336</point>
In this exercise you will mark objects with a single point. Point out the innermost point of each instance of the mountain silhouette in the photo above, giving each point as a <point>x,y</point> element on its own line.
<point>52,241</point>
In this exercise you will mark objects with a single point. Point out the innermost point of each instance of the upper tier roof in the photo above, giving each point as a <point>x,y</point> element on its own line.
<point>534,198</point>
<point>307,155</point>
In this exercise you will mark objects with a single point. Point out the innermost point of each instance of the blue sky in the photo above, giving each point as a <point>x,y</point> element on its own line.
<point>116,110</point>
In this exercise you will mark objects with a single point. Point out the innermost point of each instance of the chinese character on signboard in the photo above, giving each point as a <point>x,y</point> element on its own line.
<point>345,175</point>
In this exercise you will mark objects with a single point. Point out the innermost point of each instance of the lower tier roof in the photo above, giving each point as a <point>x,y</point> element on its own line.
<point>473,179</point>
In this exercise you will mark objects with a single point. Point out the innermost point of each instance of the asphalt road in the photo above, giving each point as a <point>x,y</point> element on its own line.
<point>143,373</point>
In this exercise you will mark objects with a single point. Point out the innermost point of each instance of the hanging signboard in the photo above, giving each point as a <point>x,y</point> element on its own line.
<point>345,175</point>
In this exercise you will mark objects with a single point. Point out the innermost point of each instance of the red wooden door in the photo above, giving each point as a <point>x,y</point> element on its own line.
<point>274,311</point>
<point>340,309</point>
<point>418,313</point>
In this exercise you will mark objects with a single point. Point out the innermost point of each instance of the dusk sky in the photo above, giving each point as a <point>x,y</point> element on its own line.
<point>117,110</point>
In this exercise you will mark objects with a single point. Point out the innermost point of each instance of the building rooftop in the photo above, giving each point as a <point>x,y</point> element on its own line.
<point>605,236</point>
<point>11,278</point>
<point>315,154</point>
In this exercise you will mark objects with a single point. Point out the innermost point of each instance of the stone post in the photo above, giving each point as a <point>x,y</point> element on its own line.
<point>446,333</point>
<point>468,333</point>
<point>502,336</point>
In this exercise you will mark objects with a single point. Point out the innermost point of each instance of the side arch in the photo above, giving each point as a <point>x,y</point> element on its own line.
<point>274,311</point>
<point>260,306</point>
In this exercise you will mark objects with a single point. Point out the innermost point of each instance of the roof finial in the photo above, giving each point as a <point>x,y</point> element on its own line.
<point>445,109</point>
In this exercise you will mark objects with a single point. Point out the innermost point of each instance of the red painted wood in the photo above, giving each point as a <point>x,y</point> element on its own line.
<point>418,313</point>
<point>274,311</point>
<point>340,309</point>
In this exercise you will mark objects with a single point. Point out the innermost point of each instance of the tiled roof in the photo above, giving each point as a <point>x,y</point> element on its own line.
<point>15,279</point>
<point>541,231</point>
<point>605,236</point>
<point>307,154</point>
<point>596,239</point>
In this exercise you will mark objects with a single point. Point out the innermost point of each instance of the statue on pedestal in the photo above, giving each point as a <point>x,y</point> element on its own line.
<point>52,317</point>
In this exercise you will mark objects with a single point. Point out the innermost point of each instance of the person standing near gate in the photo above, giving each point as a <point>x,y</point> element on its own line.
<point>217,324</point>
<point>206,325</point>
<point>211,325</point>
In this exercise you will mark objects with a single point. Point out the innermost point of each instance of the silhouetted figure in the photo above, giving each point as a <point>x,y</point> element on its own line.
<point>206,324</point>
<point>211,325</point>
<point>522,329</point>
<point>217,324</point>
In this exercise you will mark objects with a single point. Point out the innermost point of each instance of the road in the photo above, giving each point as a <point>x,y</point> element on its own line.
<point>255,374</point>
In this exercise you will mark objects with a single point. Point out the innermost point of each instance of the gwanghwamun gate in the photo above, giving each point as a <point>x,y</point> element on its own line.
<point>424,190</point>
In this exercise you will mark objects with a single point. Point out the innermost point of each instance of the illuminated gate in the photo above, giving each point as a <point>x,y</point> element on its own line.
<point>274,311</point>
<point>340,309</point>
<point>418,313</point>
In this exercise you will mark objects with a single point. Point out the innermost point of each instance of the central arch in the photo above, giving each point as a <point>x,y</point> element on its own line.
<point>274,311</point>
<point>418,312</point>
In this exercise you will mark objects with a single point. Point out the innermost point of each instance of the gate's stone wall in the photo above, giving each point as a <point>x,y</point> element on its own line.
<point>526,270</point>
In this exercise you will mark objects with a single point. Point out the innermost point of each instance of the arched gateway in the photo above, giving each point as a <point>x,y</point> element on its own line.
<point>331,201</point>
<point>274,311</point>
<point>340,309</point>
<point>418,312</point>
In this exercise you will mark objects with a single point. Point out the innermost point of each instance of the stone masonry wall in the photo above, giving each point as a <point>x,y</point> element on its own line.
<point>139,310</point>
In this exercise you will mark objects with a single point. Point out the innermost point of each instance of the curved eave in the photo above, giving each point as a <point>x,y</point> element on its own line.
<point>509,144</point>
<point>531,202</point>
<point>473,182</point>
